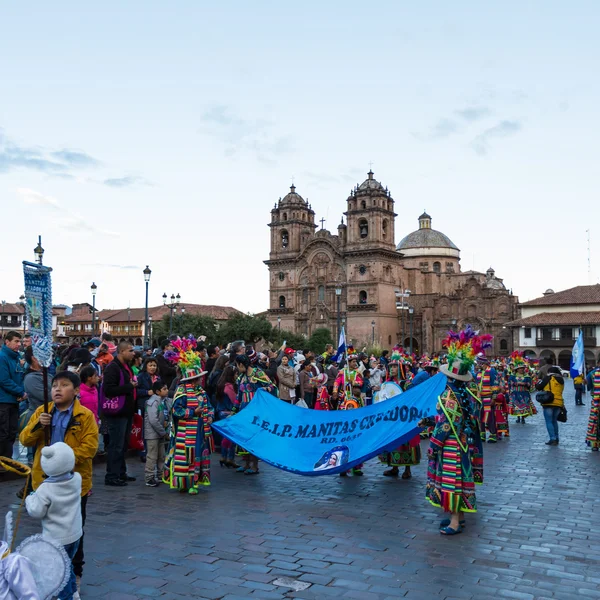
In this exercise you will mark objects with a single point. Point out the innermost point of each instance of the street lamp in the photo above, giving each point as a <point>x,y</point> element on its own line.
<point>22,302</point>
<point>182,314</point>
<point>373,332</point>
<point>172,307</point>
<point>279,323</point>
<point>150,332</point>
<point>411,310</point>
<point>94,288</point>
<point>39,251</point>
<point>147,273</point>
<point>338,295</point>
<point>400,305</point>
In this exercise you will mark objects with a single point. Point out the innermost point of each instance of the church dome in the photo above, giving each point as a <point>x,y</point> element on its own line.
<point>292,198</point>
<point>370,184</point>
<point>426,241</point>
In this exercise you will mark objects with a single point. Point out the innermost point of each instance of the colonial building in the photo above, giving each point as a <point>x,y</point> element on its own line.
<point>550,324</point>
<point>410,294</point>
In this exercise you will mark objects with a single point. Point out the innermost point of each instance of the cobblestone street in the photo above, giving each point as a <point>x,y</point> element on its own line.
<point>536,534</point>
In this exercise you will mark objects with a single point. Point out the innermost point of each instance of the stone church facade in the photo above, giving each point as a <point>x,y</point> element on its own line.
<point>410,294</point>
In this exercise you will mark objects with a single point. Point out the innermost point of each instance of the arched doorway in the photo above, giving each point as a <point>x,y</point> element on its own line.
<point>548,354</point>
<point>138,341</point>
<point>529,354</point>
<point>590,360</point>
<point>415,345</point>
<point>564,359</point>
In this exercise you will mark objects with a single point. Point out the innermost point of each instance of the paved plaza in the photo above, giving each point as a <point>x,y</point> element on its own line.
<point>536,535</point>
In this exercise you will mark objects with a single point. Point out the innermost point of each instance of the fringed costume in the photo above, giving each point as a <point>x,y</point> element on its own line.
<point>488,390</point>
<point>593,431</point>
<point>519,388</point>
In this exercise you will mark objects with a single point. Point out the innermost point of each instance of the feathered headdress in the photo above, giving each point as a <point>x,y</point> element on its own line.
<point>185,357</point>
<point>517,361</point>
<point>463,347</point>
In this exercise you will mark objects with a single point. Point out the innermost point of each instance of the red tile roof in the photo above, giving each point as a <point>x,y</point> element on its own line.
<point>546,319</point>
<point>10,308</point>
<point>582,294</point>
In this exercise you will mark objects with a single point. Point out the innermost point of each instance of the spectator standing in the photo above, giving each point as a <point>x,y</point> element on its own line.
<point>167,371</point>
<point>287,380</point>
<point>11,391</point>
<point>119,381</point>
<point>155,432</point>
<point>552,382</point>
<point>579,383</point>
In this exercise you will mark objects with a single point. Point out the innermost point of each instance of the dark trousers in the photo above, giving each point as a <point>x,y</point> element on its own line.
<point>117,446</point>
<point>9,427</point>
<point>69,590</point>
<point>78,561</point>
<point>309,398</point>
<point>578,394</point>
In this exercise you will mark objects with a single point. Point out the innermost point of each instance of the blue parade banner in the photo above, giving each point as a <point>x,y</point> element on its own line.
<point>315,442</point>
<point>38,302</point>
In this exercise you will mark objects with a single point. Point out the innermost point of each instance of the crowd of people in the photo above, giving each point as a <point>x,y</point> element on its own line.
<point>106,398</point>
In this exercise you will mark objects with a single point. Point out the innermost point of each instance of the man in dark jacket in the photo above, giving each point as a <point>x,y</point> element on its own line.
<point>11,391</point>
<point>119,380</point>
<point>166,369</point>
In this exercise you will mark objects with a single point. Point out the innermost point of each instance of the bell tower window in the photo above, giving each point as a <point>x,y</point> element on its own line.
<point>363,205</point>
<point>321,293</point>
<point>437,267</point>
<point>285,216</point>
<point>285,239</point>
<point>362,297</point>
<point>384,229</point>
<point>363,229</point>
<point>281,301</point>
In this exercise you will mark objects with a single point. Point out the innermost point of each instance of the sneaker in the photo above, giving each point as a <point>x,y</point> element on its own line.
<point>115,482</point>
<point>152,483</point>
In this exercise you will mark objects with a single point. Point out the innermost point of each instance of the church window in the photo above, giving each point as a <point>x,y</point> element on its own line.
<point>437,267</point>
<point>285,239</point>
<point>503,345</point>
<point>362,269</point>
<point>281,276</point>
<point>384,228</point>
<point>363,228</point>
<point>362,297</point>
<point>424,266</point>
<point>281,301</point>
<point>321,293</point>
<point>305,295</point>
<point>303,217</point>
<point>363,205</point>
<point>389,340</point>
<point>449,267</point>
<point>285,216</point>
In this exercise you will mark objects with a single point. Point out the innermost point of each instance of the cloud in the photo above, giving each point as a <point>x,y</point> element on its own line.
<point>244,136</point>
<point>121,182</point>
<point>75,158</point>
<point>111,266</point>
<point>503,129</point>
<point>62,218</point>
<point>473,113</point>
<point>326,180</point>
<point>448,126</point>
<point>56,163</point>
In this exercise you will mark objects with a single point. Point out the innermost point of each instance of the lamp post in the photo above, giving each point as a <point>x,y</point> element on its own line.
<point>175,300</point>
<point>128,323</point>
<point>338,295</point>
<point>39,252</point>
<point>147,273</point>
<point>94,288</point>
<point>22,302</point>
<point>373,332</point>
<point>182,314</point>
<point>411,310</point>
<point>150,343</point>
<point>279,324</point>
<point>2,318</point>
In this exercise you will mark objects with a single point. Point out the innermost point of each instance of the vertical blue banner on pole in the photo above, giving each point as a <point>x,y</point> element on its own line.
<point>38,302</point>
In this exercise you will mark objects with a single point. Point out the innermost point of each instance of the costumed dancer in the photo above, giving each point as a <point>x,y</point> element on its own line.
<point>346,392</point>
<point>187,465</point>
<point>592,438</point>
<point>249,381</point>
<point>519,386</point>
<point>408,454</point>
<point>450,477</point>
<point>322,399</point>
<point>487,381</point>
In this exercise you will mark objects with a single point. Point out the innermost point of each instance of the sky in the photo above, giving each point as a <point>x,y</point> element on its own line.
<point>162,134</point>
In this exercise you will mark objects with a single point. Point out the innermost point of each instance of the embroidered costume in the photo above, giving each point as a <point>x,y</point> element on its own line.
<point>593,431</point>
<point>520,385</point>
<point>488,390</point>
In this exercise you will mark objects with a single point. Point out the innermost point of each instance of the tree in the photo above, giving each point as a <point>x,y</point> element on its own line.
<point>292,340</point>
<point>185,324</point>
<point>319,340</point>
<point>248,327</point>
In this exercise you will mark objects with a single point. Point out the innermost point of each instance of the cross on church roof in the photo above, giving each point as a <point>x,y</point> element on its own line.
<point>322,221</point>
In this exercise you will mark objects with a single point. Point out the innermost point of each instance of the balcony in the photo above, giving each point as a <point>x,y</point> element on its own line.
<point>588,342</point>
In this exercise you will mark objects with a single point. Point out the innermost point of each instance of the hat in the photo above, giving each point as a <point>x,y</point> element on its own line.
<point>462,348</point>
<point>81,356</point>
<point>321,379</point>
<point>251,354</point>
<point>57,459</point>
<point>289,351</point>
<point>184,356</point>
<point>300,357</point>
<point>517,361</point>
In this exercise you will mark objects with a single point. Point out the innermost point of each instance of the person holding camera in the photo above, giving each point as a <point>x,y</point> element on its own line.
<point>554,384</point>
